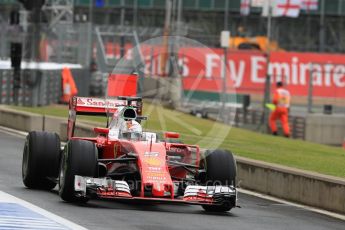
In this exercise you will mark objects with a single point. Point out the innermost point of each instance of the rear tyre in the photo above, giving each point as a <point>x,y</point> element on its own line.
<point>220,167</point>
<point>40,164</point>
<point>78,158</point>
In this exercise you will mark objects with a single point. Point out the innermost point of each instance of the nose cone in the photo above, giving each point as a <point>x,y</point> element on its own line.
<point>155,175</point>
<point>158,190</point>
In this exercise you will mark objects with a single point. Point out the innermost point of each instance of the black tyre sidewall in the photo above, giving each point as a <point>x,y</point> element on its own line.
<point>220,167</point>
<point>41,156</point>
<point>79,158</point>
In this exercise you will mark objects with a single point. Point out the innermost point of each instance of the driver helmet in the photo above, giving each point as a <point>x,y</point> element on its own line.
<point>131,130</point>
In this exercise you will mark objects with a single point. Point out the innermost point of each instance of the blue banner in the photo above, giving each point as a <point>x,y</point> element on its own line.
<point>99,3</point>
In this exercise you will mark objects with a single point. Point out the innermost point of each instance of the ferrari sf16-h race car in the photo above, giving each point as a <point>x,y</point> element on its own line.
<point>127,164</point>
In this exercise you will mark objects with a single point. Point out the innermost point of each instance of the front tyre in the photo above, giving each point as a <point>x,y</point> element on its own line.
<point>220,167</point>
<point>40,164</point>
<point>78,158</point>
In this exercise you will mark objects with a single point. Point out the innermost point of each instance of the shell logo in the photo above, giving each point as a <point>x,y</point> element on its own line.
<point>153,161</point>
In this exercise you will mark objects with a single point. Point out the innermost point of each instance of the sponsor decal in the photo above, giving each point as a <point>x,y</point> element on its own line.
<point>153,162</point>
<point>80,101</point>
<point>201,70</point>
<point>178,150</point>
<point>151,154</point>
<point>156,174</point>
<point>154,169</point>
<point>116,150</point>
<point>152,159</point>
<point>247,72</point>
<point>154,178</point>
<point>99,103</point>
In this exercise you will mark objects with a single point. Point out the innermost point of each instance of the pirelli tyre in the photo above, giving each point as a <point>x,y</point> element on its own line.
<point>41,156</point>
<point>78,158</point>
<point>220,168</point>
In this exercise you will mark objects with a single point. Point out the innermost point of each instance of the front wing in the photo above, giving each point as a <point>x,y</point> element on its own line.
<point>107,188</point>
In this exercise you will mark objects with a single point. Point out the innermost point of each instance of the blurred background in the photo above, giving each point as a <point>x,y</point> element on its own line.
<point>299,42</point>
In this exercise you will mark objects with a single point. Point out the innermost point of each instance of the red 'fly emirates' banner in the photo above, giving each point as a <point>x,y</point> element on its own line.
<point>246,71</point>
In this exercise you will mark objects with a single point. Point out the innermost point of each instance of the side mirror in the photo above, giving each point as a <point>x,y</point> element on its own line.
<point>171,135</point>
<point>100,130</point>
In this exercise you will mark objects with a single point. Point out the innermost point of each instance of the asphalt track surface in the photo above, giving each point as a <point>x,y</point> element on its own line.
<point>255,213</point>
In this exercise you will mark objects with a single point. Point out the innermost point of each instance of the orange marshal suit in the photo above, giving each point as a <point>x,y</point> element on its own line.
<point>281,99</point>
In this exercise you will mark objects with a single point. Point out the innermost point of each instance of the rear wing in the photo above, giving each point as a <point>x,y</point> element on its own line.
<point>99,107</point>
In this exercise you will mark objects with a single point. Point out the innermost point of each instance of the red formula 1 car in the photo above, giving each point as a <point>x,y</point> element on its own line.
<point>123,162</point>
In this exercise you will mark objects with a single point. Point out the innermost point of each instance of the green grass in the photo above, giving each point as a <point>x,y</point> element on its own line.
<point>208,134</point>
<point>58,111</point>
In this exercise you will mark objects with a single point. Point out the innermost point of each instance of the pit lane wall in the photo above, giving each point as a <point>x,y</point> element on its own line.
<point>291,184</point>
<point>299,186</point>
<point>325,129</point>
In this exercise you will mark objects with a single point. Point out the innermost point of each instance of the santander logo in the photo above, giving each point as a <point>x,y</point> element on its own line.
<point>99,103</point>
<point>80,101</point>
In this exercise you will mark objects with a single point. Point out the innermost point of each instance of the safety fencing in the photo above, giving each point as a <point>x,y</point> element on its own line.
<point>326,73</point>
<point>252,119</point>
<point>35,88</point>
<point>66,43</point>
<point>38,87</point>
<point>195,102</point>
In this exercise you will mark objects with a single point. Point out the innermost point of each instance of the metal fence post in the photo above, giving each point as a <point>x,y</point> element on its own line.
<point>267,98</point>
<point>1,88</point>
<point>310,89</point>
<point>151,61</point>
<point>3,43</point>
<point>9,86</point>
<point>224,95</point>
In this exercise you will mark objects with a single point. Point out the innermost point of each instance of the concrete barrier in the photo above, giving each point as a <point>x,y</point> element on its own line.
<point>53,124</point>
<point>80,130</point>
<point>26,121</point>
<point>300,186</point>
<point>20,120</point>
<point>325,129</point>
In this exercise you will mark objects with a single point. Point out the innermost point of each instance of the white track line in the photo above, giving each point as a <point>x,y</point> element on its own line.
<point>20,134</point>
<point>7,198</point>
<point>13,132</point>
<point>244,191</point>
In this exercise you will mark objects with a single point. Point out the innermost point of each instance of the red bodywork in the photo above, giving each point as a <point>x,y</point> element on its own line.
<point>157,172</point>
